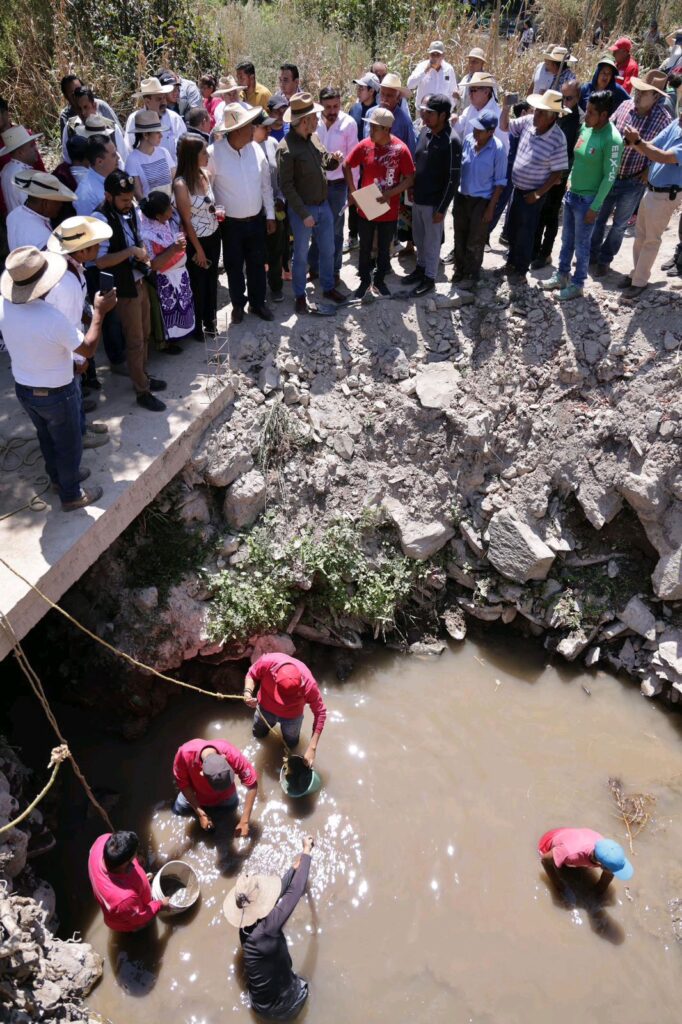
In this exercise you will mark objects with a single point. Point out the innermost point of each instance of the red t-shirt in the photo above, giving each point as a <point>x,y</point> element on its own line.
<point>628,71</point>
<point>263,672</point>
<point>126,899</point>
<point>570,847</point>
<point>385,165</point>
<point>187,770</point>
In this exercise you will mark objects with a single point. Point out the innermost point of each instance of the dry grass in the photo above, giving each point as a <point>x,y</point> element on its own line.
<point>634,809</point>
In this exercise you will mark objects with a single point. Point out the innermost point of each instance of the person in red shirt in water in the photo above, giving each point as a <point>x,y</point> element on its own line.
<point>583,848</point>
<point>204,772</point>
<point>627,65</point>
<point>286,686</point>
<point>120,884</point>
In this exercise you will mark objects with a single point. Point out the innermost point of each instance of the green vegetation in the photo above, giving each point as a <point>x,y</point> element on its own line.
<point>158,550</point>
<point>351,569</point>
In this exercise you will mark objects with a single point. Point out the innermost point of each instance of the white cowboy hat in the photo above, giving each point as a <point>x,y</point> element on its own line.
<point>549,100</point>
<point>252,898</point>
<point>14,138</point>
<point>153,87</point>
<point>30,274</point>
<point>227,84</point>
<point>236,116</point>
<point>76,233</point>
<point>560,55</point>
<point>95,124</point>
<point>391,81</point>
<point>300,105</point>
<point>41,185</point>
<point>670,40</point>
<point>482,78</point>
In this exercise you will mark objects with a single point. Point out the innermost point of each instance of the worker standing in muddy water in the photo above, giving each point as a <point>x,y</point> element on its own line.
<point>286,686</point>
<point>204,772</point>
<point>120,883</point>
<point>583,848</point>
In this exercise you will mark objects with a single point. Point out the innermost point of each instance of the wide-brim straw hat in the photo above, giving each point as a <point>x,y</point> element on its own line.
<point>227,84</point>
<point>301,105</point>
<point>30,274</point>
<point>153,87</point>
<point>95,125</point>
<point>653,81</point>
<point>42,185</point>
<point>236,116</point>
<point>477,54</point>
<point>76,233</point>
<point>391,81</point>
<point>670,40</point>
<point>560,55</point>
<point>147,121</point>
<point>482,78</point>
<point>15,138</point>
<point>252,898</point>
<point>550,100</point>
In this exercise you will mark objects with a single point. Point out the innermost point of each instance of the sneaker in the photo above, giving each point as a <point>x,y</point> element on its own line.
<point>83,474</point>
<point>424,287</point>
<point>155,384</point>
<point>361,291</point>
<point>97,428</point>
<point>415,277</point>
<point>449,258</point>
<point>94,440</point>
<point>557,280</point>
<point>148,401</point>
<point>86,498</point>
<point>382,288</point>
<point>350,244</point>
<point>277,296</point>
<point>571,291</point>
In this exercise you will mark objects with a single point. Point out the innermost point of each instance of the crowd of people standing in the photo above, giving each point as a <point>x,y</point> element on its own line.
<point>280,185</point>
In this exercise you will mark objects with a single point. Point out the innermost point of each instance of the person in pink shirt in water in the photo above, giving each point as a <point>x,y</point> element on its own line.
<point>286,686</point>
<point>583,848</point>
<point>120,884</point>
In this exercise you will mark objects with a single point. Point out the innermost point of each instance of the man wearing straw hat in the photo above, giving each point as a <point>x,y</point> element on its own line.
<point>21,148</point>
<point>391,94</point>
<point>481,92</point>
<point>553,70</point>
<point>42,343</point>
<point>30,223</point>
<point>86,104</point>
<point>154,97</point>
<point>476,61</point>
<point>434,76</point>
<point>541,158</point>
<point>260,905</point>
<point>230,91</point>
<point>240,174</point>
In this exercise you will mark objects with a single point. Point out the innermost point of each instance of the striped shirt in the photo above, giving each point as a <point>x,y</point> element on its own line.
<point>538,156</point>
<point>632,161</point>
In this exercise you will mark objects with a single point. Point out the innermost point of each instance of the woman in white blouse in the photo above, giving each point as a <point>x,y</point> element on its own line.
<point>149,163</point>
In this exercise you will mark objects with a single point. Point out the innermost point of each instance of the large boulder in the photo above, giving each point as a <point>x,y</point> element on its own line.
<point>437,385</point>
<point>418,539</point>
<point>637,616</point>
<point>225,465</point>
<point>516,550</point>
<point>667,576</point>
<point>245,500</point>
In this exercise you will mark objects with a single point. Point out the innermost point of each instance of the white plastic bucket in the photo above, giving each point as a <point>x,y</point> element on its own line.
<point>178,881</point>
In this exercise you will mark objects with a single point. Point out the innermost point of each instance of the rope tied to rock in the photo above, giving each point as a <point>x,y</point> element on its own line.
<point>57,758</point>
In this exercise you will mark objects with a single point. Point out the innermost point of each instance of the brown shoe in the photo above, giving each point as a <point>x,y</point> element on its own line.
<point>334,296</point>
<point>301,305</point>
<point>82,475</point>
<point>86,498</point>
<point>237,314</point>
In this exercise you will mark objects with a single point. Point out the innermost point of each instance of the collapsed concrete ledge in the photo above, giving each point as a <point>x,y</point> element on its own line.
<point>53,549</point>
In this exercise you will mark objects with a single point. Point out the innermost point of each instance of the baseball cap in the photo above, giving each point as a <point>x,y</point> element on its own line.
<point>217,772</point>
<point>438,103</point>
<point>168,78</point>
<point>263,120</point>
<point>278,101</point>
<point>611,856</point>
<point>118,183</point>
<point>370,81</point>
<point>621,44</point>
<point>436,47</point>
<point>485,122</point>
<point>381,117</point>
<point>287,683</point>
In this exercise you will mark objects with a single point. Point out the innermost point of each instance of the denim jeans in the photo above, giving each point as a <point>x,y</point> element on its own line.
<point>55,413</point>
<point>337,197</point>
<point>184,807</point>
<point>575,237</point>
<point>323,233</point>
<point>521,227</point>
<point>291,727</point>
<point>622,201</point>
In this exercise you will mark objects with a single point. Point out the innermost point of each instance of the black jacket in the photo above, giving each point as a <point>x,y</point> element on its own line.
<point>438,160</point>
<point>123,272</point>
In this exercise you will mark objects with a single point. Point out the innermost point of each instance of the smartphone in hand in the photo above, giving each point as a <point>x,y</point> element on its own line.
<point>106,281</point>
<point>510,99</point>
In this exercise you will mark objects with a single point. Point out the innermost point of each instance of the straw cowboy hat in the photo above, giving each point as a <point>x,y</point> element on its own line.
<point>227,84</point>
<point>549,100</point>
<point>252,898</point>
<point>653,81</point>
<point>391,81</point>
<point>94,125</point>
<point>30,274</point>
<point>14,138</point>
<point>670,40</point>
<point>477,54</point>
<point>153,87</point>
<point>482,78</point>
<point>560,55</point>
<point>76,233</point>
<point>147,121</point>
<point>300,105</point>
<point>236,116</point>
<point>41,185</point>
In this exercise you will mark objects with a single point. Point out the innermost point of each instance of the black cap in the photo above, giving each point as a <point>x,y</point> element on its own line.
<point>264,121</point>
<point>438,103</point>
<point>168,78</point>
<point>119,183</point>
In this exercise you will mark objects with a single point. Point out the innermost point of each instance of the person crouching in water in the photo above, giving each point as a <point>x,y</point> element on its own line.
<point>260,906</point>
<point>120,884</point>
<point>583,848</point>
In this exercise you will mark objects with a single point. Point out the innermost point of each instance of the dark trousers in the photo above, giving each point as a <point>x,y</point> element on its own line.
<point>471,233</point>
<point>353,218</point>
<point>55,413</point>
<point>548,225</point>
<point>244,246</point>
<point>523,223</point>
<point>385,230</point>
<point>275,245</point>
<point>112,330</point>
<point>205,282</point>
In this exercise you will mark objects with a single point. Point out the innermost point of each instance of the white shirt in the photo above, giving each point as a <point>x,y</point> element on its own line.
<point>68,296</point>
<point>40,341</point>
<point>26,227</point>
<point>463,126</point>
<point>241,179</point>
<point>342,135</point>
<point>90,193</point>
<point>155,171</point>
<point>464,97</point>
<point>427,81</point>
<point>13,196</point>
<point>172,129</point>
<point>117,138</point>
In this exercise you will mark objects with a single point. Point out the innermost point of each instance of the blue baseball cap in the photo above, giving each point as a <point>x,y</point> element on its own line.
<point>485,122</point>
<point>611,856</point>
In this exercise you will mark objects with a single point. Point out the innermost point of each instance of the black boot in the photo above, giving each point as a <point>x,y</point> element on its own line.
<point>675,260</point>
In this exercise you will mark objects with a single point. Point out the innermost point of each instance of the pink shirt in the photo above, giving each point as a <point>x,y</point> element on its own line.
<point>212,104</point>
<point>570,847</point>
<point>187,770</point>
<point>125,899</point>
<point>262,672</point>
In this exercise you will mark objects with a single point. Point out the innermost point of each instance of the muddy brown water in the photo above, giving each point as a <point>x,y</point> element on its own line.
<point>426,902</point>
